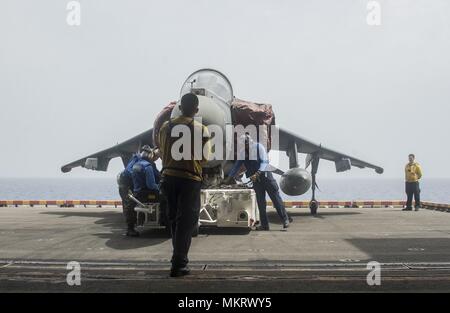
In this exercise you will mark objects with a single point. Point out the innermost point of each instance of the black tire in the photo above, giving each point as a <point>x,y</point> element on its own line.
<point>313,206</point>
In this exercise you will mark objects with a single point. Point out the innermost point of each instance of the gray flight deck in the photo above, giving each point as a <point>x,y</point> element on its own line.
<point>328,252</point>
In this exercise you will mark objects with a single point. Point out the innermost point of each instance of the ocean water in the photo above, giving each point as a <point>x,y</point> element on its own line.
<point>436,190</point>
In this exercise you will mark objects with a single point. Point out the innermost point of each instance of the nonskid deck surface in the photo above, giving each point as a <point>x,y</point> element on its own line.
<point>328,252</point>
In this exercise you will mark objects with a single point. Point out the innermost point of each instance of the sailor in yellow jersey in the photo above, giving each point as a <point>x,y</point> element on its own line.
<point>413,173</point>
<point>182,178</point>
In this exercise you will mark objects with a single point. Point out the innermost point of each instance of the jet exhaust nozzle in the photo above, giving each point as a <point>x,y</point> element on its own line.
<point>295,181</point>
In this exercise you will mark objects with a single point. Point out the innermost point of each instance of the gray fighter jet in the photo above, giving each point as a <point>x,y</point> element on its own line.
<point>215,94</point>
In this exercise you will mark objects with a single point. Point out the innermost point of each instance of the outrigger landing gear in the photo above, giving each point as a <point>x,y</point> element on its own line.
<point>314,204</point>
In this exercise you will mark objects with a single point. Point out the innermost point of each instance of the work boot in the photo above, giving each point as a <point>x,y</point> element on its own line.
<point>178,272</point>
<point>131,232</point>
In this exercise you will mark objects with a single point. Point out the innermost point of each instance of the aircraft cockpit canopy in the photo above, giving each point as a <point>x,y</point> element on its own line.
<point>209,83</point>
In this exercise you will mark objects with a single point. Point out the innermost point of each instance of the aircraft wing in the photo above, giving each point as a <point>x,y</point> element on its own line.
<point>99,161</point>
<point>286,139</point>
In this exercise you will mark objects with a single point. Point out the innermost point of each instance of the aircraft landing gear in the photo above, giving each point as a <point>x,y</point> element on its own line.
<point>314,204</point>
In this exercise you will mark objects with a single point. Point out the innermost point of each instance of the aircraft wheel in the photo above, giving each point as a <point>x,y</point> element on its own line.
<point>313,206</point>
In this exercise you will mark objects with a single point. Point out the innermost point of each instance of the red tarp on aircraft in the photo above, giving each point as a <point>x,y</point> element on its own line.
<point>243,113</point>
<point>251,113</point>
<point>162,117</point>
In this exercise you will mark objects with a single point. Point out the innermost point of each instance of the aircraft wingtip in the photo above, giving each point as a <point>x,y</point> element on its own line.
<point>65,169</point>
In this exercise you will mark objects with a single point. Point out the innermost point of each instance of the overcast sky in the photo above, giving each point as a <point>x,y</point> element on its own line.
<point>375,92</point>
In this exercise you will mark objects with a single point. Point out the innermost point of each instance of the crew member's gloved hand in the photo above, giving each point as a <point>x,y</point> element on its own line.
<point>229,181</point>
<point>255,177</point>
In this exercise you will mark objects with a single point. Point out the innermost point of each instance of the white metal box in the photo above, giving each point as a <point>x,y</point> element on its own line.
<point>228,207</point>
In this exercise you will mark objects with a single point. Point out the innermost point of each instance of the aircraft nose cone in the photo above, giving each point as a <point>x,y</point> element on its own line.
<point>295,181</point>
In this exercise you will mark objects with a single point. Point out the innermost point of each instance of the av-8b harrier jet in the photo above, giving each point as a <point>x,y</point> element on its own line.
<point>218,106</point>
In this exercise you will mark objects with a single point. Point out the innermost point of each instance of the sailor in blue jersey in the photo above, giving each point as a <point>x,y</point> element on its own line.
<point>125,182</point>
<point>263,181</point>
<point>145,178</point>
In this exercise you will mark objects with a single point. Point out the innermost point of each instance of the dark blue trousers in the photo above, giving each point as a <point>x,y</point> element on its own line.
<point>268,184</point>
<point>128,206</point>
<point>412,189</point>
<point>183,201</point>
